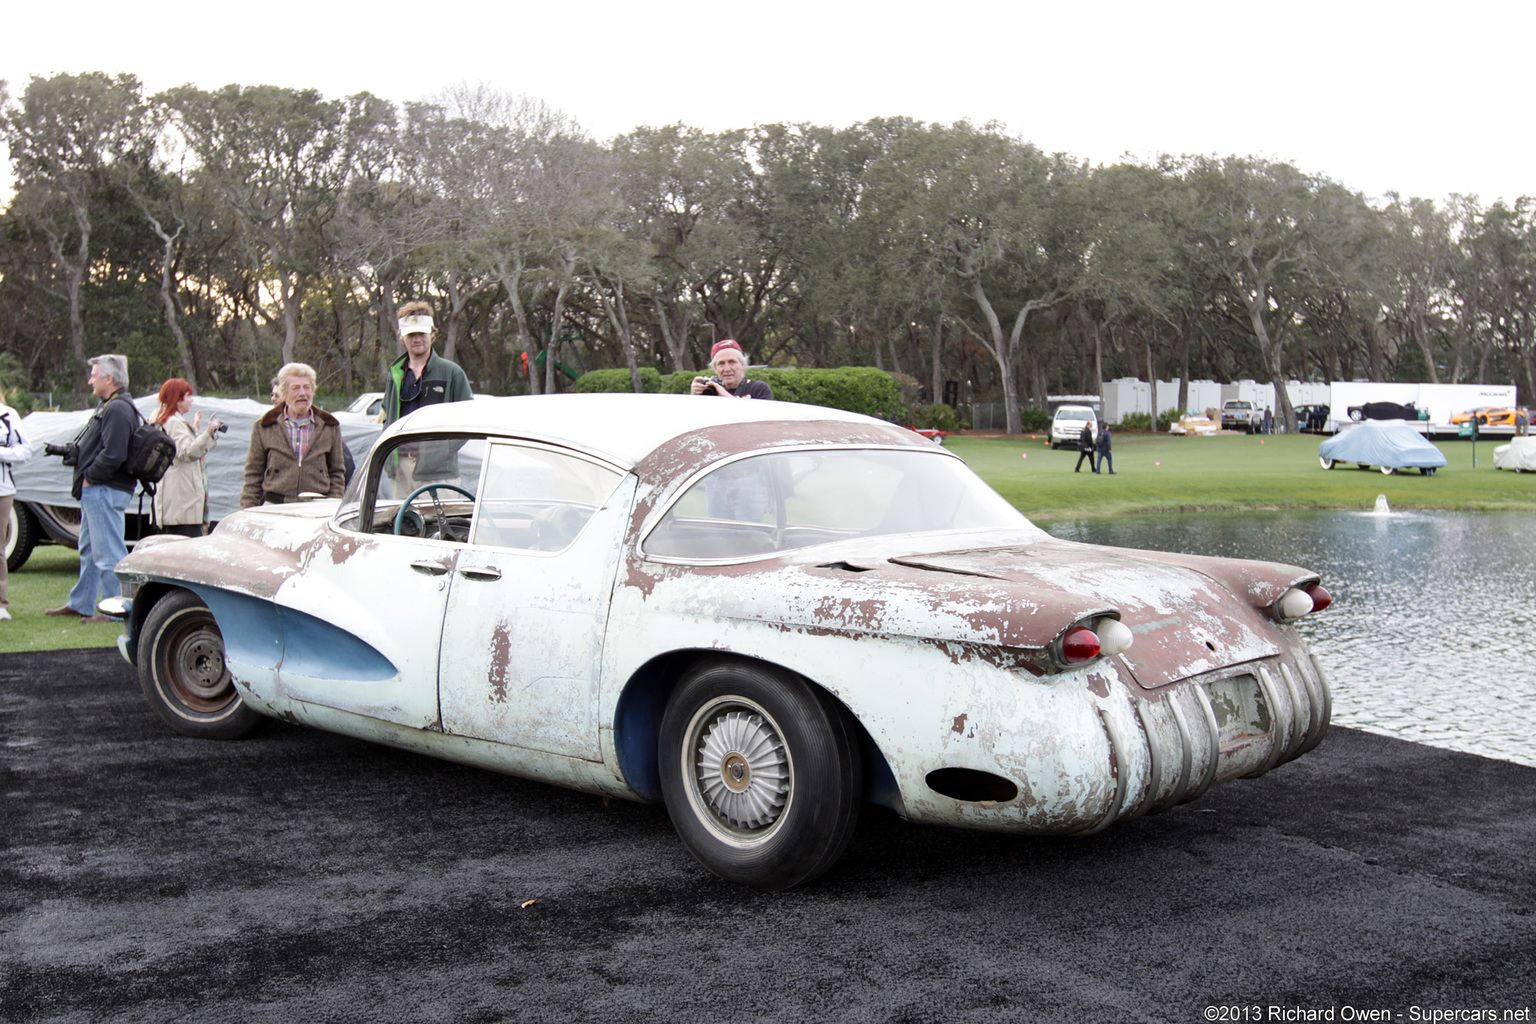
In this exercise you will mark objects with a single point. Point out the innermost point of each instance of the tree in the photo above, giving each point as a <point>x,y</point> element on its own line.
<point>1500,284</point>
<point>1422,256</point>
<point>994,214</point>
<point>1254,227</point>
<point>69,138</point>
<point>279,159</point>
<point>681,187</point>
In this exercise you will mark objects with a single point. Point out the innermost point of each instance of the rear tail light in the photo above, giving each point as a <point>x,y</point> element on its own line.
<point>1079,645</point>
<point>1295,603</point>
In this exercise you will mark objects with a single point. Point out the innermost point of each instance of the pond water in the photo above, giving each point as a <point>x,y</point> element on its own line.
<point>1430,636</point>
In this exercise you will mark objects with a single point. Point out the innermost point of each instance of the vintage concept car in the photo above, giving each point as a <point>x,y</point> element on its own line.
<point>760,613</point>
<point>1388,444</point>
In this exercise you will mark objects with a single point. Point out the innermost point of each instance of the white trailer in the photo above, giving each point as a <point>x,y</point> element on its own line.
<point>1440,401</point>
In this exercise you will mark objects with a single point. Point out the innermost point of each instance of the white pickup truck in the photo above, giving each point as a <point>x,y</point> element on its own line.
<point>1240,415</point>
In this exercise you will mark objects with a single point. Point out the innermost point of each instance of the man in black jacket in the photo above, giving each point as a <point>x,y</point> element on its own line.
<point>1106,458</point>
<point>1085,449</point>
<point>103,486</point>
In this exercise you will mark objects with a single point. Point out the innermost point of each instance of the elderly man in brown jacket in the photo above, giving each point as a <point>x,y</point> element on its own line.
<point>295,448</point>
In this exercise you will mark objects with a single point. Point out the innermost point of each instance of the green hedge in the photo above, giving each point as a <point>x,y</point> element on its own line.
<point>936,417</point>
<point>598,381</point>
<point>1033,420</point>
<point>861,389</point>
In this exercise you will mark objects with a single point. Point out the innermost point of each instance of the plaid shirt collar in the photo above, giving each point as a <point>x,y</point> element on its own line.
<point>299,433</point>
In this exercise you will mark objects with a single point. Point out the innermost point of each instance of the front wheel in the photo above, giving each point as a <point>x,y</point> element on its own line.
<point>761,774</point>
<point>1327,462</point>
<point>182,671</point>
<point>1388,471</point>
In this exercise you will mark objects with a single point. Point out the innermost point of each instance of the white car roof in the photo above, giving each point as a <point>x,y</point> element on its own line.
<point>622,427</point>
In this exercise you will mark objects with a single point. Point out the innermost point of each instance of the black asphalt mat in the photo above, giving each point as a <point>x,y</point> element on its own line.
<point>297,876</point>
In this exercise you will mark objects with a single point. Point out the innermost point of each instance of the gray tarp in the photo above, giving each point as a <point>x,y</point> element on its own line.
<point>1389,443</point>
<point>46,480</point>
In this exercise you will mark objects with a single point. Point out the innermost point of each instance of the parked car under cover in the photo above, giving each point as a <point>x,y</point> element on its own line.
<point>761,613</point>
<point>1519,455</point>
<point>1389,445</point>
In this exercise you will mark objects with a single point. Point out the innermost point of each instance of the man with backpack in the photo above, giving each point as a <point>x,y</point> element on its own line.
<point>103,485</point>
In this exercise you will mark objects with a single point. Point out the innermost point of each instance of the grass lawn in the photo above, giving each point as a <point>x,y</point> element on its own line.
<point>1153,473</point>
<point>42,583</point>
<point>1165,473</point>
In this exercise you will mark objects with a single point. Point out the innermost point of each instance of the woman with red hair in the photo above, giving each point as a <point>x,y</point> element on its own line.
<point>181,499</point>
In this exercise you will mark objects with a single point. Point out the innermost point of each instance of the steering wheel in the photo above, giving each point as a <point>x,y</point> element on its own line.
<point>437,504</point>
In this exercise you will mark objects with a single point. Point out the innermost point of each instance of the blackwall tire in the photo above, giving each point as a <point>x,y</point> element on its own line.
<point>21,537</point>
<point>761,774</point>
<point>182,671</point>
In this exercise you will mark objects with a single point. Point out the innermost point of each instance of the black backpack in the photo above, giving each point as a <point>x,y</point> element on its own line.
<point>150,453</point>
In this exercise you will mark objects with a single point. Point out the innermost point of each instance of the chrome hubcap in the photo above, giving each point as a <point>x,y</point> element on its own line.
<point>741,767</point>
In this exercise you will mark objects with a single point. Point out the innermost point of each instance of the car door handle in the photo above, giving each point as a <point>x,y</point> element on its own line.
<point>430,568</point>
<point>486,574</point>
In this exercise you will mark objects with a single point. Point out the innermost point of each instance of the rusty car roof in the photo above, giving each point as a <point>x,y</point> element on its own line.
<point>624,428</point>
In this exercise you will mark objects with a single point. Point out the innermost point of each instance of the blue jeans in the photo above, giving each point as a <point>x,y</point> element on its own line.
<point>103,512</point>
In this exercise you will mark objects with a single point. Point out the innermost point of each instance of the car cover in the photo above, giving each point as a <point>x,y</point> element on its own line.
<point>1375,443</point>
<point>1519,454</point>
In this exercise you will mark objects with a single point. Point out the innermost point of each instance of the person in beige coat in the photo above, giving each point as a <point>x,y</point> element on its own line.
<point>295,448</point>
<point>181,497</point>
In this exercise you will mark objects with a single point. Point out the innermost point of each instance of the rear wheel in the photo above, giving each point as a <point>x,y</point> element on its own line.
<point>20,537</point>
<point>761,774</point>
<point>183,675</point>
<point>1388,471</point>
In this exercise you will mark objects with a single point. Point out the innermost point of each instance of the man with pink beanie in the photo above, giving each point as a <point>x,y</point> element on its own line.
<point>730,377</point>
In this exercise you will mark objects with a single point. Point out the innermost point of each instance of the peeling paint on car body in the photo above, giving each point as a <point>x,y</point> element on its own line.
<point>943,646</point>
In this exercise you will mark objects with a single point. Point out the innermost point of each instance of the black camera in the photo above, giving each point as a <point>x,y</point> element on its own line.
<point>68,452</point>
<point>222,428</point>
<point>712,379</point>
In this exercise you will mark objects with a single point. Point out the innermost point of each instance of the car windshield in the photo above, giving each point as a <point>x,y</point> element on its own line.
<point>787,500</point>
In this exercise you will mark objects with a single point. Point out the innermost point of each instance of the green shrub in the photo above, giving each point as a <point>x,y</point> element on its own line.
<point>678,383</point>
<point>605,381</point>
<point>935,417</point>
<point>1140,421</point>
<point>854,388</point>
<point>1166,419</point>
<point>1032,420</point>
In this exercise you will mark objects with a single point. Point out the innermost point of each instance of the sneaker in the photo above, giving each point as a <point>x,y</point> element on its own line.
<point>4,614</point>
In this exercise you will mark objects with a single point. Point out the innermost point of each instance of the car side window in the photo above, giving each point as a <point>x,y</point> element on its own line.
<point>420,486</point>
<point>538,499</point>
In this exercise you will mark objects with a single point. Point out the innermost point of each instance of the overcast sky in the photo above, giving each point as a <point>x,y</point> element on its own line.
<point>1407,97</point>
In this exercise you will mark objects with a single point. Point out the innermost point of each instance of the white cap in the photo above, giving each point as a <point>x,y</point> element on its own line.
<point>416,323</point>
